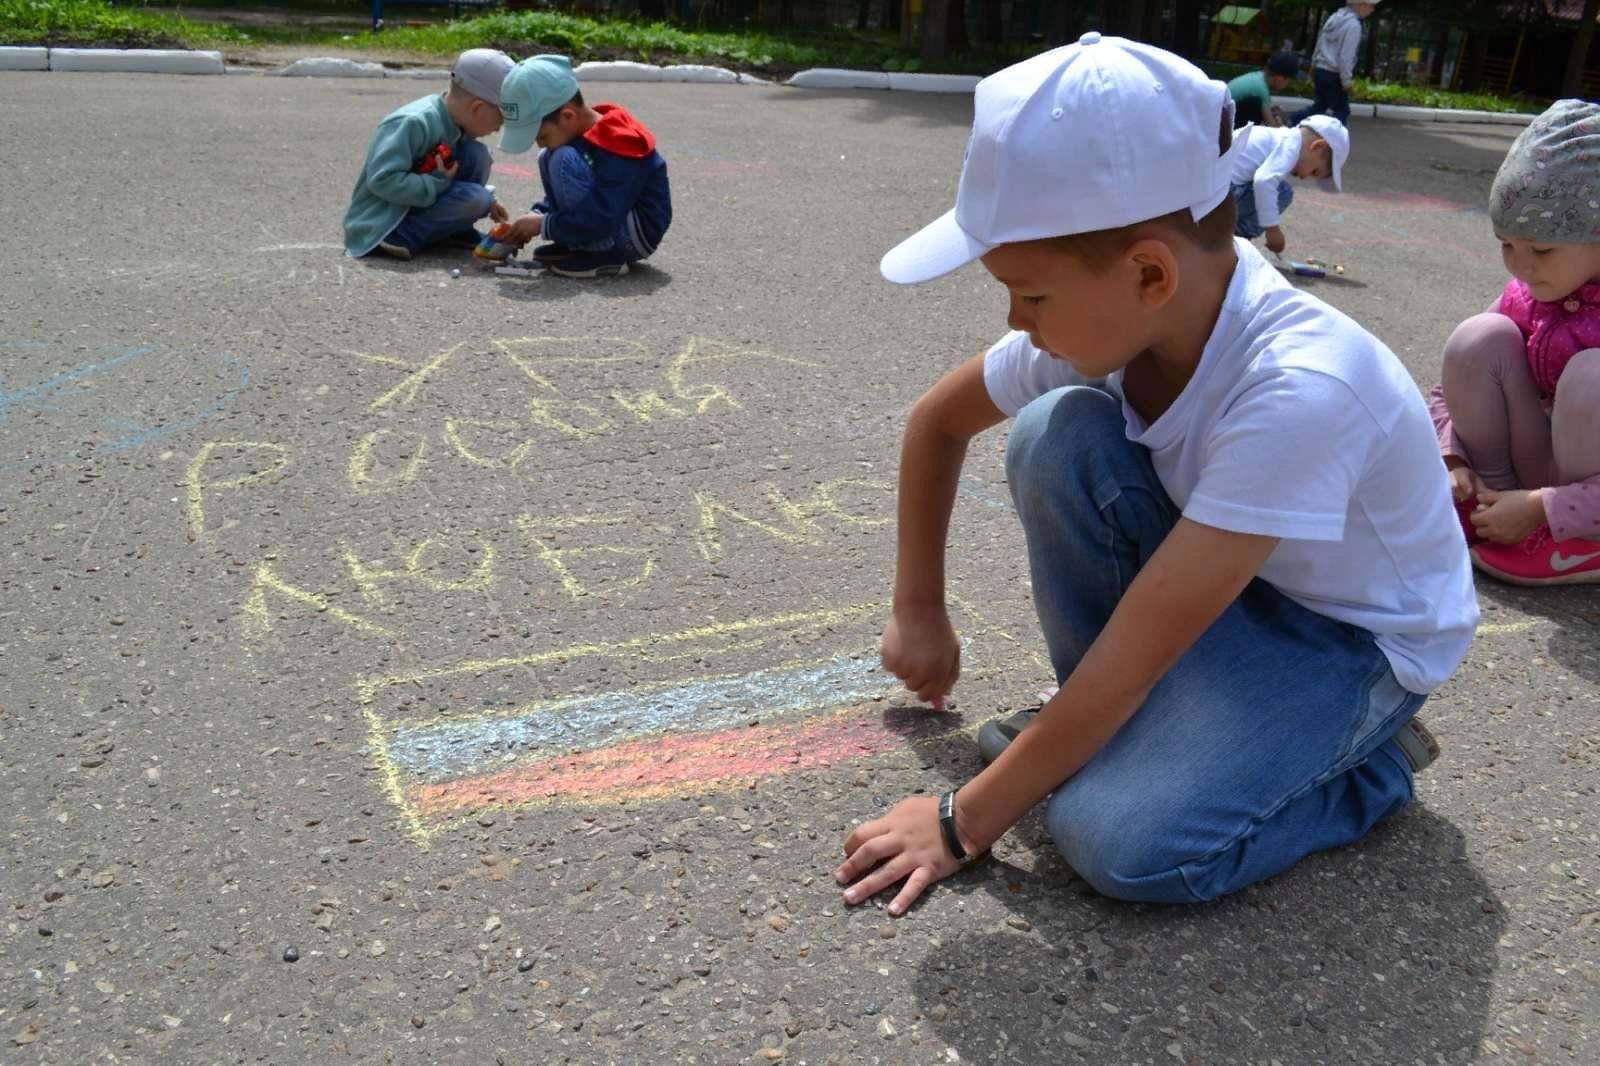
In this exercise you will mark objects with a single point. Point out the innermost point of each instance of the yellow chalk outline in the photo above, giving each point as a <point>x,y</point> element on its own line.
<point>194,506</point>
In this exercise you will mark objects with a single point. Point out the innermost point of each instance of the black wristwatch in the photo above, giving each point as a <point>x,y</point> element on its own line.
<point>947,823</point>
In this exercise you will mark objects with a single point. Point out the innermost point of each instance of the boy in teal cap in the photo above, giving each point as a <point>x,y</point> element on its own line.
<point>409,194</point>
<point>606,199</point>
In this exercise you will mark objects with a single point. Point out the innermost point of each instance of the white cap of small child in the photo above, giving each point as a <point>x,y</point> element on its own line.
<point>1091,136</point>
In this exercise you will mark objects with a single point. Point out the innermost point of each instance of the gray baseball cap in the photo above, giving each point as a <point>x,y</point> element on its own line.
<point>480,71</point>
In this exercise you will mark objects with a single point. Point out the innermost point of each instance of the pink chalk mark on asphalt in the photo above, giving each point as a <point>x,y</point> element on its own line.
<point>514,170</point>
<point>662,766</point>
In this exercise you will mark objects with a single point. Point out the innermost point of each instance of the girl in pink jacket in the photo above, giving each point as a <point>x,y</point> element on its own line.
<point>1518,412</point>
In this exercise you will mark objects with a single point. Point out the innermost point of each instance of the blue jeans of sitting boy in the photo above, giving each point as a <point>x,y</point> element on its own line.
<point>1329,97</point>
<point>461,204</point>
<point>559,170</point>
<point>1248,224</point>
<point>1270,739</point>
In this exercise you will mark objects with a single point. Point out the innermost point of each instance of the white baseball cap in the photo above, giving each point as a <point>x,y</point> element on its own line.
<point>1091,136</point>
<point>1331,130</point>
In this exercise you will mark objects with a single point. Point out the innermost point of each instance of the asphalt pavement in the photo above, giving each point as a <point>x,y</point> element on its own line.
<point>504,651</point>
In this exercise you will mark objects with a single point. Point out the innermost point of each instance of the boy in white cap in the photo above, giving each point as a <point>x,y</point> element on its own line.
<point>1246,566</point>
<point>1315,150</point>
<point>409,194</point>
<point>607,202</point>
<point>1333,64</point>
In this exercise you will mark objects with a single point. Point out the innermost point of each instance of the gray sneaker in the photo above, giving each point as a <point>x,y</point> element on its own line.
<point>1419,745</point>
<point>393,250</point>
<point>995,735</point>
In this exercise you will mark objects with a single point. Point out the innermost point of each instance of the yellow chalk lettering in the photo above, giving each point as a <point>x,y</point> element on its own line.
<point>258,621</point>
<point>453,437</point>
<point>540,531</point>
<point>542,413</point>
<point>362,461</point>
<point>481,577</point>
<point>646,406</point>
<point>195,503</point>
<point>406,391</point>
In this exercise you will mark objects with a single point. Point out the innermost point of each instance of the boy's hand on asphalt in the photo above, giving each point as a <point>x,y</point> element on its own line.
<point>498,212</point>
<point>526,227</point>
<point>904,845</point>
<point>922,650</point>
<point>1275,240</point>
<point>1508,517</point>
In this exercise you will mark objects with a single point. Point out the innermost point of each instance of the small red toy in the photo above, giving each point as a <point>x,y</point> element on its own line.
<point>438,159</point>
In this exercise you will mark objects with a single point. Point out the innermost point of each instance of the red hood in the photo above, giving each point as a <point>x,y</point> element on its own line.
<point>619,133</point>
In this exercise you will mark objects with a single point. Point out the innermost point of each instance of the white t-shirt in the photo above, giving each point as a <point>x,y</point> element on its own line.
<point>1299,424</point>
<point>1266,158</point>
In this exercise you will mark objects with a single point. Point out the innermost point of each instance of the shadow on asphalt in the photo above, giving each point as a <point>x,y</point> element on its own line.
<point>1574,611</point>
<point>1379,952</point>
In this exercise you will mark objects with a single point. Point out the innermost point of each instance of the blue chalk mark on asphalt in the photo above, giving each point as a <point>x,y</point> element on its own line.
<point>448,749</point>
<point>119,432</point>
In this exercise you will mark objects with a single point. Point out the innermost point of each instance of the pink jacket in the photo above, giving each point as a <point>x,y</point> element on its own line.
<point>1554,332</point>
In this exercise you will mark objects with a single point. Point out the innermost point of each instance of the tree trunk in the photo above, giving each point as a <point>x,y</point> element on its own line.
<point>889,17</point>
<point>1125,19</point>
<point>1370,59</point>
<point>991,22</point>
<point>653,9</point>
<point>944,29</point>
<point>1477,56</point>
<point>1186,29</point>
<point>1578,58</point>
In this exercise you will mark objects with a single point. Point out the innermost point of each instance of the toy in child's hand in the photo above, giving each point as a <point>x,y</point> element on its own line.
<point>438,159</point>
<point>494,246</point>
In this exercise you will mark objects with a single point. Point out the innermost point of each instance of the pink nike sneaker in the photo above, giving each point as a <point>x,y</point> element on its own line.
<point>1541,560</point>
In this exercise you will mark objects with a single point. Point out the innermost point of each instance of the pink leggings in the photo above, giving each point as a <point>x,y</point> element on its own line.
<point>1504,432</point>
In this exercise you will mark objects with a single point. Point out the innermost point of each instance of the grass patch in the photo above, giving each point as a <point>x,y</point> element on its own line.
<point>96,22</point>
<point>1378,92</point>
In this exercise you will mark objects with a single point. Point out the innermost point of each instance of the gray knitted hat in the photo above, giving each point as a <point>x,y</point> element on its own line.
<point>1548,188</point>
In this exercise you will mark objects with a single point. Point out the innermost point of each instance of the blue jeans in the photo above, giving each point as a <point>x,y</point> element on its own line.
<point>1328,98</point>
<point>1248,223</point>
<point>461,204</point>
<point>1270,739</point>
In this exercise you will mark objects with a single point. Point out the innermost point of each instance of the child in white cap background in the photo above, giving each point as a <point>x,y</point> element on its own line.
<point>1245,564</point>
<point>1317,149</point>
<point>1518,412</point>
<point>607,202</point>
<point>407,196</point>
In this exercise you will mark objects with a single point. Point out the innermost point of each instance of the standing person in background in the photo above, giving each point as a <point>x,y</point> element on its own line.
<point>1333,65</point>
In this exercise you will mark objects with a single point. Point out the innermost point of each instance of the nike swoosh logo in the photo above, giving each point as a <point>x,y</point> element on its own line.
<point>1562,563</point>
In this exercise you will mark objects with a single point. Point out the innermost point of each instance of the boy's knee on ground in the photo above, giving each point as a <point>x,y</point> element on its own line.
<point>1117,852</point>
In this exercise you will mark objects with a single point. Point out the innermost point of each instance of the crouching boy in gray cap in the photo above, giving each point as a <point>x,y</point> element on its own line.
<point>425,178</point>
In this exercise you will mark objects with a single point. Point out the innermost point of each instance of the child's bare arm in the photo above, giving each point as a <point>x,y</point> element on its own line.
<point>1192,578</point>
<point>919,645</point>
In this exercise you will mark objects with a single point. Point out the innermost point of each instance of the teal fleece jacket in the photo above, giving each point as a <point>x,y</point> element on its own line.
<point>389,185</point>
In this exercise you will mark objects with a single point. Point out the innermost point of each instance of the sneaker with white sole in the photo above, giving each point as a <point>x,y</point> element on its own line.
<point>1418,745</point>
<point>1541,560</point>
<point>588,265</point>
<point>393,250</point>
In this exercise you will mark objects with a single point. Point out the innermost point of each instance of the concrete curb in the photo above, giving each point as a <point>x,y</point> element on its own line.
<point>180,61</point>
<point>13,58</point>
<point>329,67</point>
<point>136,60</point>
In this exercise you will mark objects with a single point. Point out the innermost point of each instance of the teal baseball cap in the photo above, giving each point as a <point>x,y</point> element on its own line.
<point>534,88</point>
